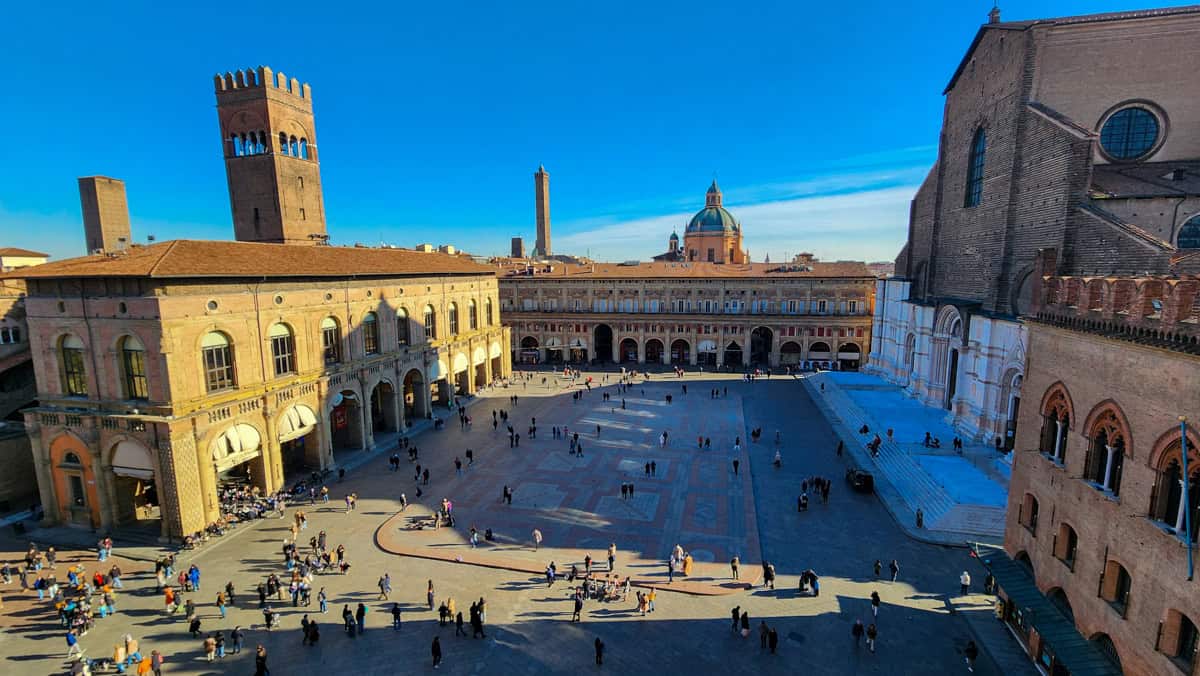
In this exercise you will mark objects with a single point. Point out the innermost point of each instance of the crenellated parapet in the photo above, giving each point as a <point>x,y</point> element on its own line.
<point>1158,310</point>
<point>261,77</point>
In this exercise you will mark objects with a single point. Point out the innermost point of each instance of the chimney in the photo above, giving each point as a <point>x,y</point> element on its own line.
<point>994,15</point>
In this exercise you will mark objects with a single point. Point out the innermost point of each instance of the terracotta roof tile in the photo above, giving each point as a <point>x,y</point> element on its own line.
<point>184,258</point>
<point>25,253</point>
<point>666,270</point>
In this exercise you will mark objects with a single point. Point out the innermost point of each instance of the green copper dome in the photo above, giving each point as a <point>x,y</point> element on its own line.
<point>713,219</point>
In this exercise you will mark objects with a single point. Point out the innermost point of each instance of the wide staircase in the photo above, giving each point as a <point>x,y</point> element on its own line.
<point>912,484</point>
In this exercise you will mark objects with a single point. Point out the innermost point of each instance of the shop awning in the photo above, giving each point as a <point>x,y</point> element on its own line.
<point>1079,655</point>
<point>132,459</point>
<point>296,422</point>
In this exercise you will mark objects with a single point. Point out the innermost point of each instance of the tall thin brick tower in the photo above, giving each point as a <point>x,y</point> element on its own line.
<point>105,213</point>
<point>541,183</point>
<point>270,144</point>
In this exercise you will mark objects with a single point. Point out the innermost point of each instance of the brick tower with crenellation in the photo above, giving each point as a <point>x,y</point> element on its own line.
<point>270,145</point>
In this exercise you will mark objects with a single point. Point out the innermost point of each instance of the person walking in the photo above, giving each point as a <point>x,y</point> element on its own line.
<point>73,647</point>
<point>872,634</point>
<point>736,613</point>
<point>156,662</point>
<point>875,604</point>
<point>894,567</point>
<point>612,555</point>
<point>537,539</point>
<point>857,632</point>
<point>323,600</point>
<point>878,568</point>
<point>735,466</point>
<point>221,603</point>
<point>385,586</point>
<point>436,649</point>
<point>238,637</point>
<point>599,652</point>
<point>733,566</point>
<point>260,662</point>
<point>576,615</point>
<point>773,640</point>
<point>964,583</point>
<point>360,614</point>
<point>429,595</point>
<point>971,653</point>
<point>458,625</point>
<point>763,630</point>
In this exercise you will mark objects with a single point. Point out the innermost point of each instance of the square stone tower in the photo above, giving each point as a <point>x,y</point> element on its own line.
<point>271,161</point>
<point>541,183</point>
<point>105,213</point>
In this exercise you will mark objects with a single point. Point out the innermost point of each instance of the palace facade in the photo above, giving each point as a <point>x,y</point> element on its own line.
<point>1099,513</point>
<point>717,315</point>
<point>168,369</point>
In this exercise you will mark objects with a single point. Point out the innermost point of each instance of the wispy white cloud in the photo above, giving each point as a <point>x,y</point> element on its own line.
<point>845,213</point>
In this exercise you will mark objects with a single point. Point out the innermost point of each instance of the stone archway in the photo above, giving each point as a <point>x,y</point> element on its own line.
<point>629,351</point>
<point>733,355</point>
<point>654,351</point>
<point>299,439</point>
<point>384,417</point>
<point>602,343</point>
<point>135,485</point>
<point>790,353</point>
<point>681,352</point>
<point>416,396</point>
<point>761,341</point>
<point>346,423</point>
<point>849,356</point>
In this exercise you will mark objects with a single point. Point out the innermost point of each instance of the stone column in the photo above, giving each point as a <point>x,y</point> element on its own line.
<point>1058,437</point>
<point>366,421</point>
<point>45,474</point>
<point>272,453</point>
<point>1180,518</point>
<point>1108,465</point>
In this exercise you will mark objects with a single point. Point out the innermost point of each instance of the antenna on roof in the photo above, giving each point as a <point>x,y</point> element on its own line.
<point>149,238</point>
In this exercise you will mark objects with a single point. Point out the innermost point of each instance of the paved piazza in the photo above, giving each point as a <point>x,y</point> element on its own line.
<point>694,500</point>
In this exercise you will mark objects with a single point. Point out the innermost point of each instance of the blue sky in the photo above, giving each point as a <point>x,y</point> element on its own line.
<point>818,119</point>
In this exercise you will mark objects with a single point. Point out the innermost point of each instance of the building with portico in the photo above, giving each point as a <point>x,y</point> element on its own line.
<point>709,314</point>
<point>165,370</point>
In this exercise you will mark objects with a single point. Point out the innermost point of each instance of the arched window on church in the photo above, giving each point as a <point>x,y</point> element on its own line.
<point>295,147</point>
<point>239,148</point>
<point>1189,234</point>
<point>283,144</point>
<point>974,187</point>
<point>262,141</point>
<point>304,149</point>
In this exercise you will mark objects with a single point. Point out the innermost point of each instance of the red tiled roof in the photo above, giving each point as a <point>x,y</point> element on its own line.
<point>185,258</point>
<point>25,253</point>
<point>667,270</point>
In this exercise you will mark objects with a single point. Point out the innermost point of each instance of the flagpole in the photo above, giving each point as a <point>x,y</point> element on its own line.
<point>1187,511</point>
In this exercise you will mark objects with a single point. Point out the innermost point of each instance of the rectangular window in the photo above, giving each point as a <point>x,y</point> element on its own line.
<point>218,368</point>
<point>791,307</point>
<point>370,331</point>
<point>853,307</point>
<point>74,374</point>
<point>134,362</point>
<point>331,340</point>
<point>712,255</point>
<point>821,307</point>
<point>283,350</point>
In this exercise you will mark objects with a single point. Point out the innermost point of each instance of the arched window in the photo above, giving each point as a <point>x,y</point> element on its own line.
<point>370,331</point>
<point>262,141</point>
<point>217,354</point>
<point>487,311</point>
<point>1167,503</point>
<point>1066,545</point>
<point>74,374</point>
<point>304,149</point>
<point>1115,585</point>
<point>402,327</point>
<point>1028,515</point>
<point>252,144</point>
<point>975,162</point>
<point>430,323</point>
<point>1180,640</point>
<point>283,144</point>
<point>453,319</point>
<point>1106,453</point>
<point>1189,234</point>
<point>71,459</point>
<point>331,340</point>
<point>239,146</point>
<point>472,315</point>
<point>1056,422</point>
<point>283,349</point>
<point>133,368</point>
